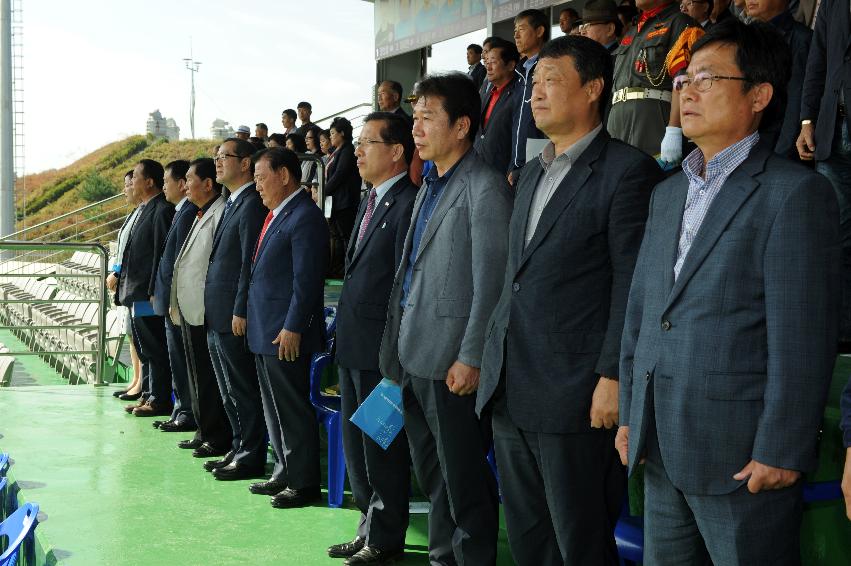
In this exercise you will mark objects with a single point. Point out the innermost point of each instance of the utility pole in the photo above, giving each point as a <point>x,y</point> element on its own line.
<point>7,166</point>
<point>192,65</point>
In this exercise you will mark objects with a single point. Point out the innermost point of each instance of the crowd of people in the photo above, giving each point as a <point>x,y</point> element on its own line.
<point>537,267</point>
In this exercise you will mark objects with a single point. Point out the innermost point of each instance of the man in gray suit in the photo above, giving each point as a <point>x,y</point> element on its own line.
<point>444,291</point>
<point>731,325</point>
<point>552,372</point>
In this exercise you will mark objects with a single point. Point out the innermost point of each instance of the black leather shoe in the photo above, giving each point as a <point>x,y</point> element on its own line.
<point>290,498</point>
<point>173,426</point>
<point>234,471</point>
<point>271,487</point>
<point>208,451</point>
<point>159,424</point>
<point>346,549</point>
<point>211,465</point>
<point>130,396</point>
<point>190,444</point>
<point>119,392</point>
<point>374,555</point>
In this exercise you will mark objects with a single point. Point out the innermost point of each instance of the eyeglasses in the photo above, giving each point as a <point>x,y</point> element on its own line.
<point>702,82</point>
<point>365,141</point>
<point>224,156</point>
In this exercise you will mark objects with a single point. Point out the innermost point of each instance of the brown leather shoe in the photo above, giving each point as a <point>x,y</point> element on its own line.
<point>133,406</point>
<point>152,410</point>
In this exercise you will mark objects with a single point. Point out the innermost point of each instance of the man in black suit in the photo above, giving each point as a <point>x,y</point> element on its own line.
<point>550,376</point>
<point>174,188</point>
<point>136,287</point>
<point>225,298</point>
<point>493,143</point>
<point>826,127</point>
<point>474,60</point>
<point>380,479</point>
<point>389,95</point>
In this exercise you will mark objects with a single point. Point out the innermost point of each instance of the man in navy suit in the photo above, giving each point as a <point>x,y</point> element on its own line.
<point>225,299</point>
<point>136,287</point>
<point>285,321</point>
<point>730,333</point>
<point>380,479</point>
<point>174,188</point>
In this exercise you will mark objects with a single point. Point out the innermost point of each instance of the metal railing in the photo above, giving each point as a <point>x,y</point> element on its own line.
<point>319,181</point>
<point>12,269</point>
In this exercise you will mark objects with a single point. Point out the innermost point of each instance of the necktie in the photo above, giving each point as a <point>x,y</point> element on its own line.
<point>367,216</point>
<point>266,223</point>
<point>228,204</point>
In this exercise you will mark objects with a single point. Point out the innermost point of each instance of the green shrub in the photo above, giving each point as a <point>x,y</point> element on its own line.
<point>96,187</point>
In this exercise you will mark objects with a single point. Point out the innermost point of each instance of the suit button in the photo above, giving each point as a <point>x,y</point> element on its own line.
<point>647,376</point>
<point>666,325</point>
<point>349,276</point>
<point>515,287</point>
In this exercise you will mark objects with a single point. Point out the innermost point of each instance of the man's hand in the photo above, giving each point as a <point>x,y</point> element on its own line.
<point>237,326</point>
<point>288,343</point>
<point>622,444</point>
<point>764,477</point>
<point>174,315</point>
<point>806,142</point>
<point>604,404</point>
<point>151,299</point>
<point>111,282</point>
<point>462,379</point>
<point>671,150</point>
<point>846,483</point>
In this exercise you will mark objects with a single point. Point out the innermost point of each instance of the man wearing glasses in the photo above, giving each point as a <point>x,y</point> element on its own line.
<point>699,10</point>
<point>730,333</point>
<point>601,23</point>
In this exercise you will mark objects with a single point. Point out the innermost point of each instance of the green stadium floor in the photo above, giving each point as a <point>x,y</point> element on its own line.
<point>113,490</point>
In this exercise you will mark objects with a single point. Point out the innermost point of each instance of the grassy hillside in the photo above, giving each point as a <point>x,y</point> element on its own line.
<point>54,192</point>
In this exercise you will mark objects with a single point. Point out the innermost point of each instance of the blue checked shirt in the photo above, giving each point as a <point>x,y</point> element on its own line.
<point>702,191</point>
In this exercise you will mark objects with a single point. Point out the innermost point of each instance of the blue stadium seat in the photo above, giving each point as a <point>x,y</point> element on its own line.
<point>328,412</point>
<point>18,527</point>
<point>4,463</point>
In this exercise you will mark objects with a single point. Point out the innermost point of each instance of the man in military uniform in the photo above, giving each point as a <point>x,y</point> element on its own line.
<point>644,113</point>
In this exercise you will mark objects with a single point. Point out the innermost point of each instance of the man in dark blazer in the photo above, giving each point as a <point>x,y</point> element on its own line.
<point>380,479</point>
<point>476,71</point>
<point>444,290</point>
<point>826,127</point>
<point>225,299</point>
<point>389,98</point>
<point>730,332</point>
<point>174,188</point>
<point>136,287</point>
<point>286,325</point>
<point>493,142</point>
<point>551,374</point>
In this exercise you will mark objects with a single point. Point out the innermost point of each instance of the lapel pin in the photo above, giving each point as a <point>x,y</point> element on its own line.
<point>383,225</point>
<point>386,203</point>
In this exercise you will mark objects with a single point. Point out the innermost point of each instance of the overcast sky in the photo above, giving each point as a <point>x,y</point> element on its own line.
<point>94,69</point>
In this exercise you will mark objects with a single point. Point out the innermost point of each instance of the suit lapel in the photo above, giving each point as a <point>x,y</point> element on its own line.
<point>382,207</point>
<point>350,249</point>
<point>733,194</point>
<point>454,188</point>
<point>564,194</point>
<point>526,191</point>
<point>670,228</point>
<point>276,223</point>
<point>237,203</point>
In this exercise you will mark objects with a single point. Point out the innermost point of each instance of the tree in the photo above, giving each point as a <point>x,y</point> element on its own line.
<point>96,187</point>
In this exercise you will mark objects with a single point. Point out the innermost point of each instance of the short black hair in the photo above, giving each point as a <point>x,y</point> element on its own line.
<point>590,59</point>
<point>475,47</point>
<point>507,50</point>
<point>153,170</point>
<point>762,55</point>
<point>304,104</point>
<point>570,11</point>
<point>258,143</point>
<point>343,127</point>
<point>244,149</point>
<point>178,169</point>
<point>460,97</point>
<point>205,168</point>
<point>394,130</point>
<point>261,125</point>
<point>298,142</point>
<point>128,174</point>
<point>488,41</point>
<point>279,139</point>
<point>396,87</point>
<point>280,157</point>
<point>325,133</point>
<point>537,19</point>
<point>291,113</point>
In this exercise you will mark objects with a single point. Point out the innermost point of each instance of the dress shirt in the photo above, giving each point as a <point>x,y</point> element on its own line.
<point>237,192</point>
<point>434,189</point>
<point>495,93</point>
<point>702,191</point>
<point>123,236</point>
<point>179,205</point>
<point>381,190</point>
<point>556,169</point>
<point>281,206</point>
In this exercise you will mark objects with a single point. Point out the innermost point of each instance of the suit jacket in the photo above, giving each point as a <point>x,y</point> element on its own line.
<point>191,264</point>
<point>456,276</point>
<point>524,126</point>
<point>180,225</point>
<point>407,117</point>
<point>143,251</point>
<point>343,180</point>
<point>736,356</point>
<point>226,286</point>
<point>798,36</point>
<point>288,279</point>
<point>370,267</point>
<point>493,143</point>
<point>566,323</point>
<point>827,69</point>
<point>478,74</point>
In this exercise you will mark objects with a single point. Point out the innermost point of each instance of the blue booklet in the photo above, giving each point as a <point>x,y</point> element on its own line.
<point>380,414</point>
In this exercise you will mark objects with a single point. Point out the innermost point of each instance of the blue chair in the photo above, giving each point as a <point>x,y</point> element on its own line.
<point>4,463</point>
<point>19,526</point>
<point>2,499</point>
<point>328,412</point>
